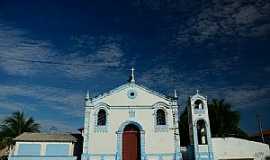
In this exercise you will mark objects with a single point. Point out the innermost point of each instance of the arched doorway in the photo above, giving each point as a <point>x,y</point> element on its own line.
<point>131,149</point>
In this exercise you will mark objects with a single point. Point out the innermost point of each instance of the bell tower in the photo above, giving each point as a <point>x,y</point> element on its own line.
<point>199,128</point>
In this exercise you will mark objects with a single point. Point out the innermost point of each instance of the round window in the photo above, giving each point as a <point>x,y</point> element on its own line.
<point>132,94</point>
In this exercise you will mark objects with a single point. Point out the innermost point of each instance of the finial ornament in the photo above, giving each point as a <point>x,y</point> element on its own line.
<point>132,75</point>
<point>198,91</point>
<point>175,94</point>
<point>87,96</point>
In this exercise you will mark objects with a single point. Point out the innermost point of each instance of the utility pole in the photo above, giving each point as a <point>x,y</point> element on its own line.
<point>258,117</point>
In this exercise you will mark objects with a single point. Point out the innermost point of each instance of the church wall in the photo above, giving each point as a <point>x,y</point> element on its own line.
<point>155,142</point>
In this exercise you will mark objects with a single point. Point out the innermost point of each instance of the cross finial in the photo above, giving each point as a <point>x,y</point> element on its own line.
<point>175,94</point>
<point>87,96</point>
<point>132,75</point>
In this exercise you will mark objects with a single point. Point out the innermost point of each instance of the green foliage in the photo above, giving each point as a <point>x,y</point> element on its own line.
<point>15,125</point>
<point>224,122</point>
<point>184,128</point>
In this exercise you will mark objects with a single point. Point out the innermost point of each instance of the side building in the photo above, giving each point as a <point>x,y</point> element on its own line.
<point>37,146</point>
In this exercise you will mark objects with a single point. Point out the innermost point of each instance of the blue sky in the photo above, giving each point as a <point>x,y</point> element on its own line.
<point>219,47</point>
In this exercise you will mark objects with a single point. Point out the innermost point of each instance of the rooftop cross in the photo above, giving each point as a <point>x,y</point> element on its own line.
<point>87,96</point>
<point>132,75</point>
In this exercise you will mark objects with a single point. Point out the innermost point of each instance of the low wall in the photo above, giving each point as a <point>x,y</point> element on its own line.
<point>236,148</point>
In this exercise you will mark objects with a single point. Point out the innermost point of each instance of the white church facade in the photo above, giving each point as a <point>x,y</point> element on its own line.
<point>131,122</point>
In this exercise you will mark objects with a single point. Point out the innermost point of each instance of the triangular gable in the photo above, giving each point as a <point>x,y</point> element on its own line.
<point>120,96</point>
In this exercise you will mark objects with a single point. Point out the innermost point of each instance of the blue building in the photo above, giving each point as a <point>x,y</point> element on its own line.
<point>43,146</point>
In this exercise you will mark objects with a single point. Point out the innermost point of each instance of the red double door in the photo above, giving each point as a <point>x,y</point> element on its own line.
<point>131,143</point>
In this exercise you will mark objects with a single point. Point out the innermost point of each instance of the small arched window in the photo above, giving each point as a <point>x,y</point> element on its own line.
<point>201,132</point>
<point>198,104</point>
<point>101,121</point>
<point>161,117</point>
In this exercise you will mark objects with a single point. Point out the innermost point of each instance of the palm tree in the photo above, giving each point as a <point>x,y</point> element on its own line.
<point>15,125</point>
<point>224,120</point>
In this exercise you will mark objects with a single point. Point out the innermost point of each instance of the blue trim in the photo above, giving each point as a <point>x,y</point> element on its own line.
<point>42,158</point>
<point>160,154</point>
<point>143,157</point>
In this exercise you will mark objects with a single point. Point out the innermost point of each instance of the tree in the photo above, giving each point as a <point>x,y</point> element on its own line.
<point>184,128</point>
<point>15,125</point>
<point>223,121</point>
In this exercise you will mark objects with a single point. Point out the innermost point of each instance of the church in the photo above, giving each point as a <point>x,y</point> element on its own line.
<point>131,122</point>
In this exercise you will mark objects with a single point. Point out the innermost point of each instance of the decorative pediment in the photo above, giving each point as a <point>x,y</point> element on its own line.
<point>198,96</point>
<point>102,104</point>
<point>131,94</point>
<point>161,105</point>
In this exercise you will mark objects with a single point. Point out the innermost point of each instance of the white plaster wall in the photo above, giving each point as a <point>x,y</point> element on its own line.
<point>235,148</point>
<point>119,104</point>
<point>155,142</point>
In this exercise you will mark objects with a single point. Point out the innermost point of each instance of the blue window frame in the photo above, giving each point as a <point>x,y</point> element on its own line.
<point>57,150</point>
<point>29,149</point>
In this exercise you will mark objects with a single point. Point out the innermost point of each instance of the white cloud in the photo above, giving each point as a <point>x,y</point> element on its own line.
<point>218,20</point>
<point>247,15</point>
<point>241,96</point>
<point>16,45</point>
<point>67,101</point>
<point>57,126</point>
<point>104,56</point>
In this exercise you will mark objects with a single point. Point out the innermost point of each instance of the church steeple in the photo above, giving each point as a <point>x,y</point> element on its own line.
<point>199,127</point>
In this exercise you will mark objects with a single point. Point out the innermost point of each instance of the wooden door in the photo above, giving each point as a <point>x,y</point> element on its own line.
<point>131,143</point>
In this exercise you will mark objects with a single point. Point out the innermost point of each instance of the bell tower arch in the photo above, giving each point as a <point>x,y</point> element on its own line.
<point>199,128</point>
